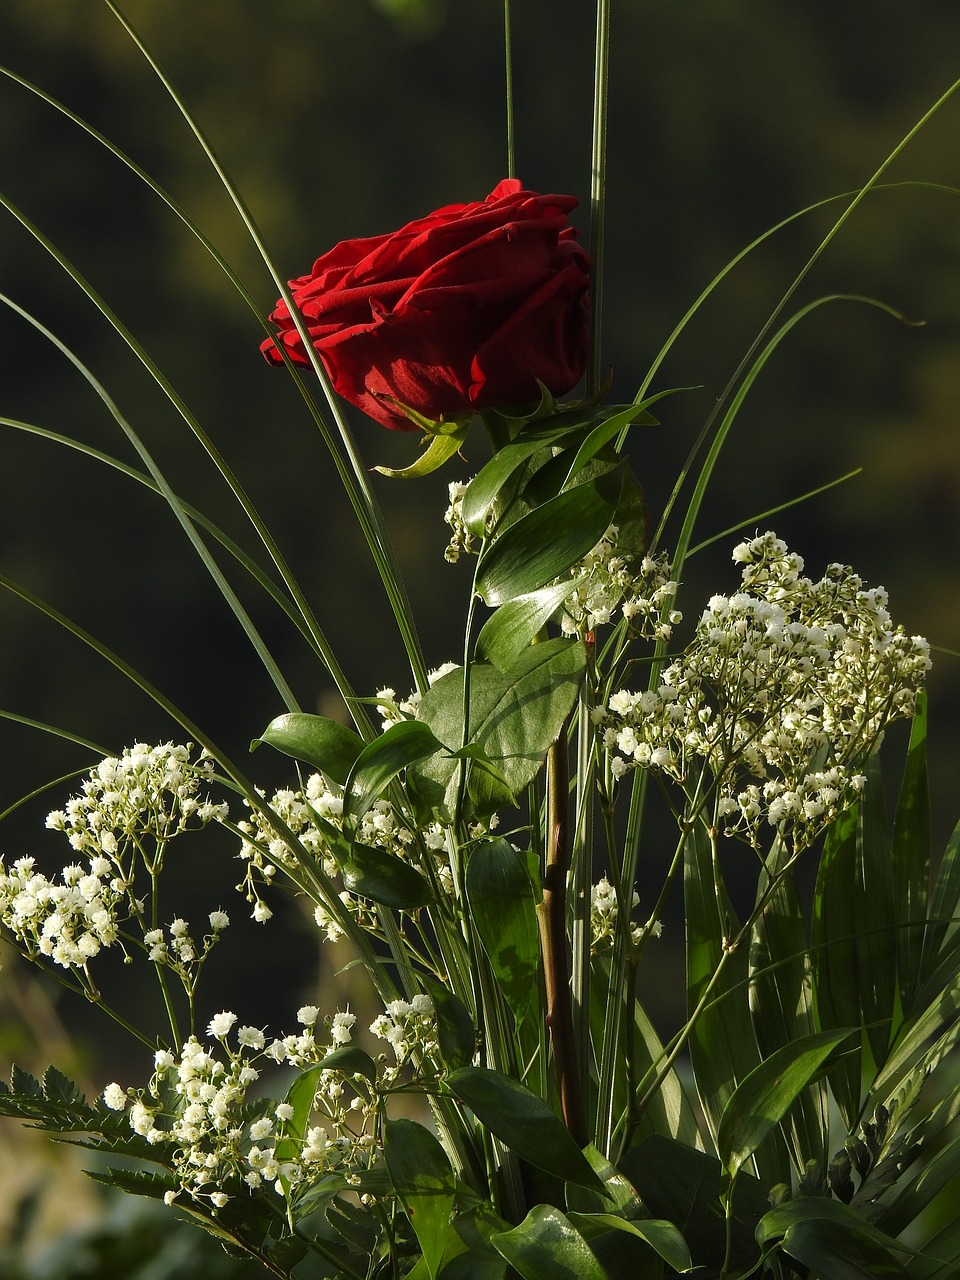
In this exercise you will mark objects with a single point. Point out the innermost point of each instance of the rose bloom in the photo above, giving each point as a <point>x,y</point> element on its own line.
<point>465,309</point>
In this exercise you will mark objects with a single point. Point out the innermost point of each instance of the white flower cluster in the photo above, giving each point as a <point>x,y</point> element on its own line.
<point>180,953</point>
<point>410,1028</point>
<point>607,581</point>
<point>461,539</point>
<point>604,912</point>
<point>222,1142</point>
<point>265,847</point>
<point>147,793</point>
<point>394,712</point>
<point>128,810</point>
<point>789,681</point>
<point>67,921</point>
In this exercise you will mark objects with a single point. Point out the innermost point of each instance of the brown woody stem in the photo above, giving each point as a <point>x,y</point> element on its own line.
<point>551,915</point>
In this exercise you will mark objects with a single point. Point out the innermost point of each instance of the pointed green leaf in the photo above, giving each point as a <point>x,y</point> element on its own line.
<point>543,544</point>
<point>832,1239</point>
<point>545,1244</point>
<point>523,1122</point>
<point>661,1236</point>
<point>834,954</point>
<point>944,922</point>
<point>874,918</point>
<point>422,1177</point>
<point>483,489</point>
<point>685,1186</point>
<point>318,741</point>
<point>508,631</point>
<point>379,763</point>
<point>911,856</point>
<point>503,905</point>
<point>383,878</point>
<point>602,435</point>
<point>762,1100</point>
<point>456,1034</point>
<point>442,446</point>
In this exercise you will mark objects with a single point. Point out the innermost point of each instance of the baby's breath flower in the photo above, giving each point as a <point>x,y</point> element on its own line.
<point>781,673</point>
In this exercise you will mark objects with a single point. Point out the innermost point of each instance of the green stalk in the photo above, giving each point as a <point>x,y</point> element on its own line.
<point>368,510</point>
<point>552,919</point>
<point>598,167</point>
<point>508,84</point>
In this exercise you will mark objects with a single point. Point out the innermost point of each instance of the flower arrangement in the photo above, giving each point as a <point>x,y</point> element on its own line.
<point>476,839</point>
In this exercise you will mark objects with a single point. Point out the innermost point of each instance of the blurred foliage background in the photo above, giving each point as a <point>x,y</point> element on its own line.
<point>339,120</point>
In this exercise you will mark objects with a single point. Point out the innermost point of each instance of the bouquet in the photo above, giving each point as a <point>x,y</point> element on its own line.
<point>478,838</point>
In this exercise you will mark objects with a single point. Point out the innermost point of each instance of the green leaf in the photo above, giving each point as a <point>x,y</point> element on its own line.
<point>442,446</point>
<point>423,1179</point>
<point>379,763</point>
<point>943,924</point>
<point>508,631</point>
<point>483,489</point>
<point>543,544</point>
<point>619,1194</point>
<point>503,905</point>
<point>832,1239</point>
<point>873,912</point>
<point>762,1100</point>
<point>523,1122</point>
<point>318,741</point>
<point>911,857</point>
<point>722,1046</point>
<point>602,435</point>
<point>456,1034</point>
<point>661,1236</point>
<point>383,878</point>
<point>545,1244</point>
<point>684,1186</point>
<point>513,719</point>
<point>834,954</point>
<point>781,1000</point>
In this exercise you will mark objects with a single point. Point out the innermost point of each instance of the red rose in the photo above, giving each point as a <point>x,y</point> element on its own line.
<point>465,309</point>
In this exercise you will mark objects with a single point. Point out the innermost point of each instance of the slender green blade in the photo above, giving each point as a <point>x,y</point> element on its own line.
<point>911,857</point>
<point>834,954</point>
<point>722,1045</point>
<point>874,915</point>
<point>944,922</point>
<point>781,1002</point>
<point>761,1101</point>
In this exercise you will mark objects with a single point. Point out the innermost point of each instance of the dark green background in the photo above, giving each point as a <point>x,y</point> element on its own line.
<point>340,118</point>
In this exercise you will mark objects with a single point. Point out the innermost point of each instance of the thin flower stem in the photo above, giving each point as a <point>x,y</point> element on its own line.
<point>367,507</point>
<point>581,882</point>
<point>598,166</point>
<point>552,918</point>
<point>508,85</point>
